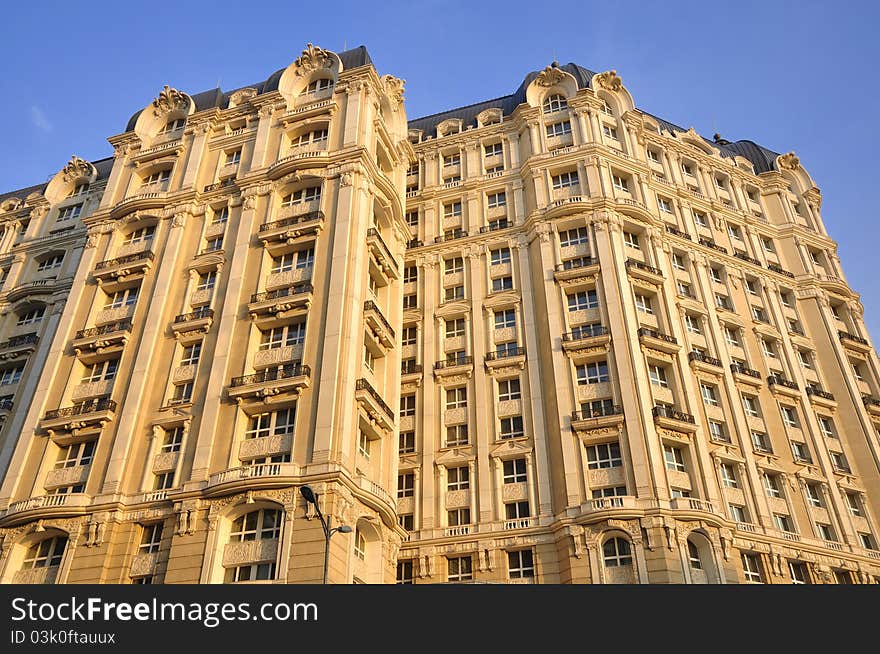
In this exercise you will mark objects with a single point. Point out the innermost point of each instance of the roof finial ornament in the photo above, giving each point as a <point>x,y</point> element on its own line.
<point>609,80</point>
<point>555,64</point>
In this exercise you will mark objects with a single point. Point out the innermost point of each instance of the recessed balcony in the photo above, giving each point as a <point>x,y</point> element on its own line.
<point>274,303</point>
<point>298,160</point>
<point>657,340</point>
<point>199,320</point>
<point>643,271</point>
<point>121,268</point>
<point>18,346</point>
<point>36,287</point>
<point>290,378</point>
<point>289,228</point>
<point>373,404</point>
<point>101,338</point>
<point>378,324</point>
<point>94,413</point>
<point>674,419</point>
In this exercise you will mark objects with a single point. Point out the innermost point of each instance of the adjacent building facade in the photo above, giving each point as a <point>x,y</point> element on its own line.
<point>548,338</point>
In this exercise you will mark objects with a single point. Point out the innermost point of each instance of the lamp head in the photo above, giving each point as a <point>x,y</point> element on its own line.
<point>344,529</point>
<point>308,494</point>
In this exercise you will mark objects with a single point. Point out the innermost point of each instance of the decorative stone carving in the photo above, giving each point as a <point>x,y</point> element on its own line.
<point>170,100</point>
<point>143,564</point>
<point>393,87</point>
<point>789,161</point>
<point>550,76</point>
<point>609,80</point>
<point>312,58</point>
<point>250,551</point>
<point>243,95</point>
<point>76,168</point>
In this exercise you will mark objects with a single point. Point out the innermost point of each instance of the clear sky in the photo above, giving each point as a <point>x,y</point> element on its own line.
<point>799,76</point>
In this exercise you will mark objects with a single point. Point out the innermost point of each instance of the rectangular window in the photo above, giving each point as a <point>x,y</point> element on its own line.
<point>499,256</point>
<point>731,337</point>
<point>558,129</point>
<point>505,319</point>
<point>674,458</point>
<point>456,398</point>
<point>453,293</point>
<point>854,504</point>
<point>692,324</point>
<point>653,155</point>
<point>620,183</point>
<point>678,262</point>
<point>406,443</point>
<point>761,442</point>
<point>716,274</point>
<point>789,416</point>
<point>410,274</point>
<point>191,354</point>
<point>683,288</point>
<point>151,538</point>
<point>717,432</point>
<point>631,240</point>
<point>728,475</point>
<point>173,439</point>
<point>50,263</point>
<point>302,196</point>
<point>664,204</point>
<point>752,568</point>
<point>509,389</point>
<point>405,572</point>
<point>409,336</point>
<point>458,478</point>
<point>457,435</point>
<point>459,568</point>
<point>826,425</point>
<point>512,427</point>
<point>565,180</point>
<point>455,327</point>
<point>406,485</point>
<point>737,513</point>
<point>458,517</point>
<point>520,564</point>
<point>493,150</point>
<point>407,405</point>
<point>604,455</point>
<point>32,316</point>
<point>514,471</point>
<point>701,219</point>
<point>643,303</point>
<point>101,371</point>
<point>772,484</point>
<point>814,495</point>
<point>709,394</point>
<point>495,200</point>
<point>800,452</point>
<point>592,373</point>
<point>657,375</point>
<point>750,405</point>
<point>583,300</point>
<point>609,132</point>
<point>502,284</point>
<point>573,237</point>
<point>826,532</point>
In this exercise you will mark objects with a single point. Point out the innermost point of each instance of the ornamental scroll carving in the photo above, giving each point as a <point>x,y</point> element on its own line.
<point>393,87</point>
<point>550,76</point>
<point>170,100</point>
<point>313,58</point>
<point>789,161</point>
<point>609,80</point>
<point>76,168</point>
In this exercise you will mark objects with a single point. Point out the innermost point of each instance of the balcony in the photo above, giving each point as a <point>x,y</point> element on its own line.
<point>709,243</point>
<point>692,504</point>
<point>745,374</point>
<point>199,320</point>
<point>18,346</point>
<point>263,475</point>
<point>872,404</point>
<point>585,338</point>
<point>518,523</point>
<point>229,182</point>
<point>700,360</point>
<point>677,232</point>
<point>152,196</point>
<point>282,300</point>
<point>297,160</point>
<point>744,257</point>
<point>515,356</point>
<point>605,416</point>
<point>290,378</point>
<point>411,368</point>
<point>454,366</point>
<point>378,324</point>
<point>36,287</point>
<point>122,268</point>
<point>615,503</point>
<point>779,270</point>
<point>373,404</point>
<point>643,271</point>
<point>451,235</point>
<point>496,225</point>
<point>576,268</point>
<point>99,339</point>
<point>253,448</point>
<point>67,476</point>
<point>292,227</point>
<point>382,254</point>
<point>854,342</point>
<point>783,385</point>
<point>6,405</point>
<point>665,416</point>
<point>48,506</point>
<point>658,340</point>
<point>91,414</point>
<point>820,396</point>
<point>414,243</point>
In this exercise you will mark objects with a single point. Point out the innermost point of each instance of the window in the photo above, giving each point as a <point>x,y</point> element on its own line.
<point>406,520</point>
<point>101,371</point>
<point>520,564</point>
<point>50,263</point>
<point>631,240</point>
<point>151,538</point>
<point>838,461</point>
<point>411,300</point>
<point>232,157</point>
<point>604,455</point>
<point>363,445</point>
<point>594,372</point>
<point>750,405</point>
<point>80,189</point>
<point>767,245</point>
<point>694,556</point>
<point>452,159</point>
<point>674,458</point>
<point>406,484</point>
<point>814,495</point>
<point>854,504</point>
<point>565,180</point>
<point>798,572</point>
<point>206,280</point>
<point>456,398</point>
<point>558,129</point>
<point>493,150</point>
<point>692,324</point>
<point>407,405</point>
<point>515,471</point>
<point>163,481</point>
<point>455,327</point>
<point>406,443</point>
<point>728,475</point>
<point>553,103</point>
<point>815,257</point>
<point>458,517</point>
<point>273,423</point>
<point>620,183</point>
<point>835,311</point>
<point>738,513</point>
<point>182,393</point>
<point>214,244</point>
<point>505,319</point>
<point>826,426</point>
<point>573,237</point>
<point>173,439</point>
<point>495,200</point>
<point>734,231</point>
<point>405,573</point>
<point>509,389</point>
<point>315,136</point>
<point>752,568</point>
<point>172,126</point>
<point>502,284</point>
<point>457,435</point>
<point>752,287</point>
<point>319,85</point>
<point>761,442</point>
<point>609,132</point>
<point>760,315</point>
<point>299,260</point>
<point>804,358</point>
<point>412,218</point>
<point>512,427</point>
<point>583,300</point>
<point>731,337</point>
<point>31,316</point>
<point>867,541</point>
<point>139,235</point>
<point>516,510</point>
<point>459,568</point>
<point>78,454</point>
<point>653,155</point>
<point>700,219</point>
<point>45,554</point>
<point>158,179</point>
<point>716,274</point>
<point>500,256</point>
<point>678,261</point>
<point>643,303</point>
<point>717,432</point>
<point>657,375</point>
<point>825,532</point>
<point>221,215</point>
<point>800,452</point>
<point>287,335</point>
<point>616,552</point>
<point>609,491</point>
<point>710,397</point>
<point>772,484</point>
<point>302,196</point>
<point>789,415</point>
<point>68,213</point>
<point>664,204</point>
<point>683,288</point>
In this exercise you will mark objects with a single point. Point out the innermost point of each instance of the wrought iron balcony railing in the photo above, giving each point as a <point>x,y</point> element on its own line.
<point>273,374</point>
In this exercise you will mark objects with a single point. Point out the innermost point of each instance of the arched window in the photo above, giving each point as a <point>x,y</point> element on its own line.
<point>318,85</point>
<point>258,562</point>
<point>360,545</point>
<point>617,552</point>
<point>694,556</point>
<point>554,103</point>
<point>173,125</point>
<point>46,553</point>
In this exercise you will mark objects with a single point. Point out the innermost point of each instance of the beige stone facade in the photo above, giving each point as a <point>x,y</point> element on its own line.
<point>548,338</point>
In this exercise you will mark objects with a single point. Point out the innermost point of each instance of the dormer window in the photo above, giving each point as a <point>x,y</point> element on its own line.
<point>555,103</point>
<point>606,108</point>
<point>173,126</point>
<point>80,189</point>
<point>319,85</point>
<point>68,213</point>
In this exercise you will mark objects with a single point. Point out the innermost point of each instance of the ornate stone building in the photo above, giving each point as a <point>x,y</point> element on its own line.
<point>544,338</point>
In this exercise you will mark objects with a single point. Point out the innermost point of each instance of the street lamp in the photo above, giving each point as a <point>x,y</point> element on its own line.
<point>311,497</point>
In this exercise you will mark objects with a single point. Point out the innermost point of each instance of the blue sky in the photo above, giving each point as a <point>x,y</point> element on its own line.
<point>797,76</point>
